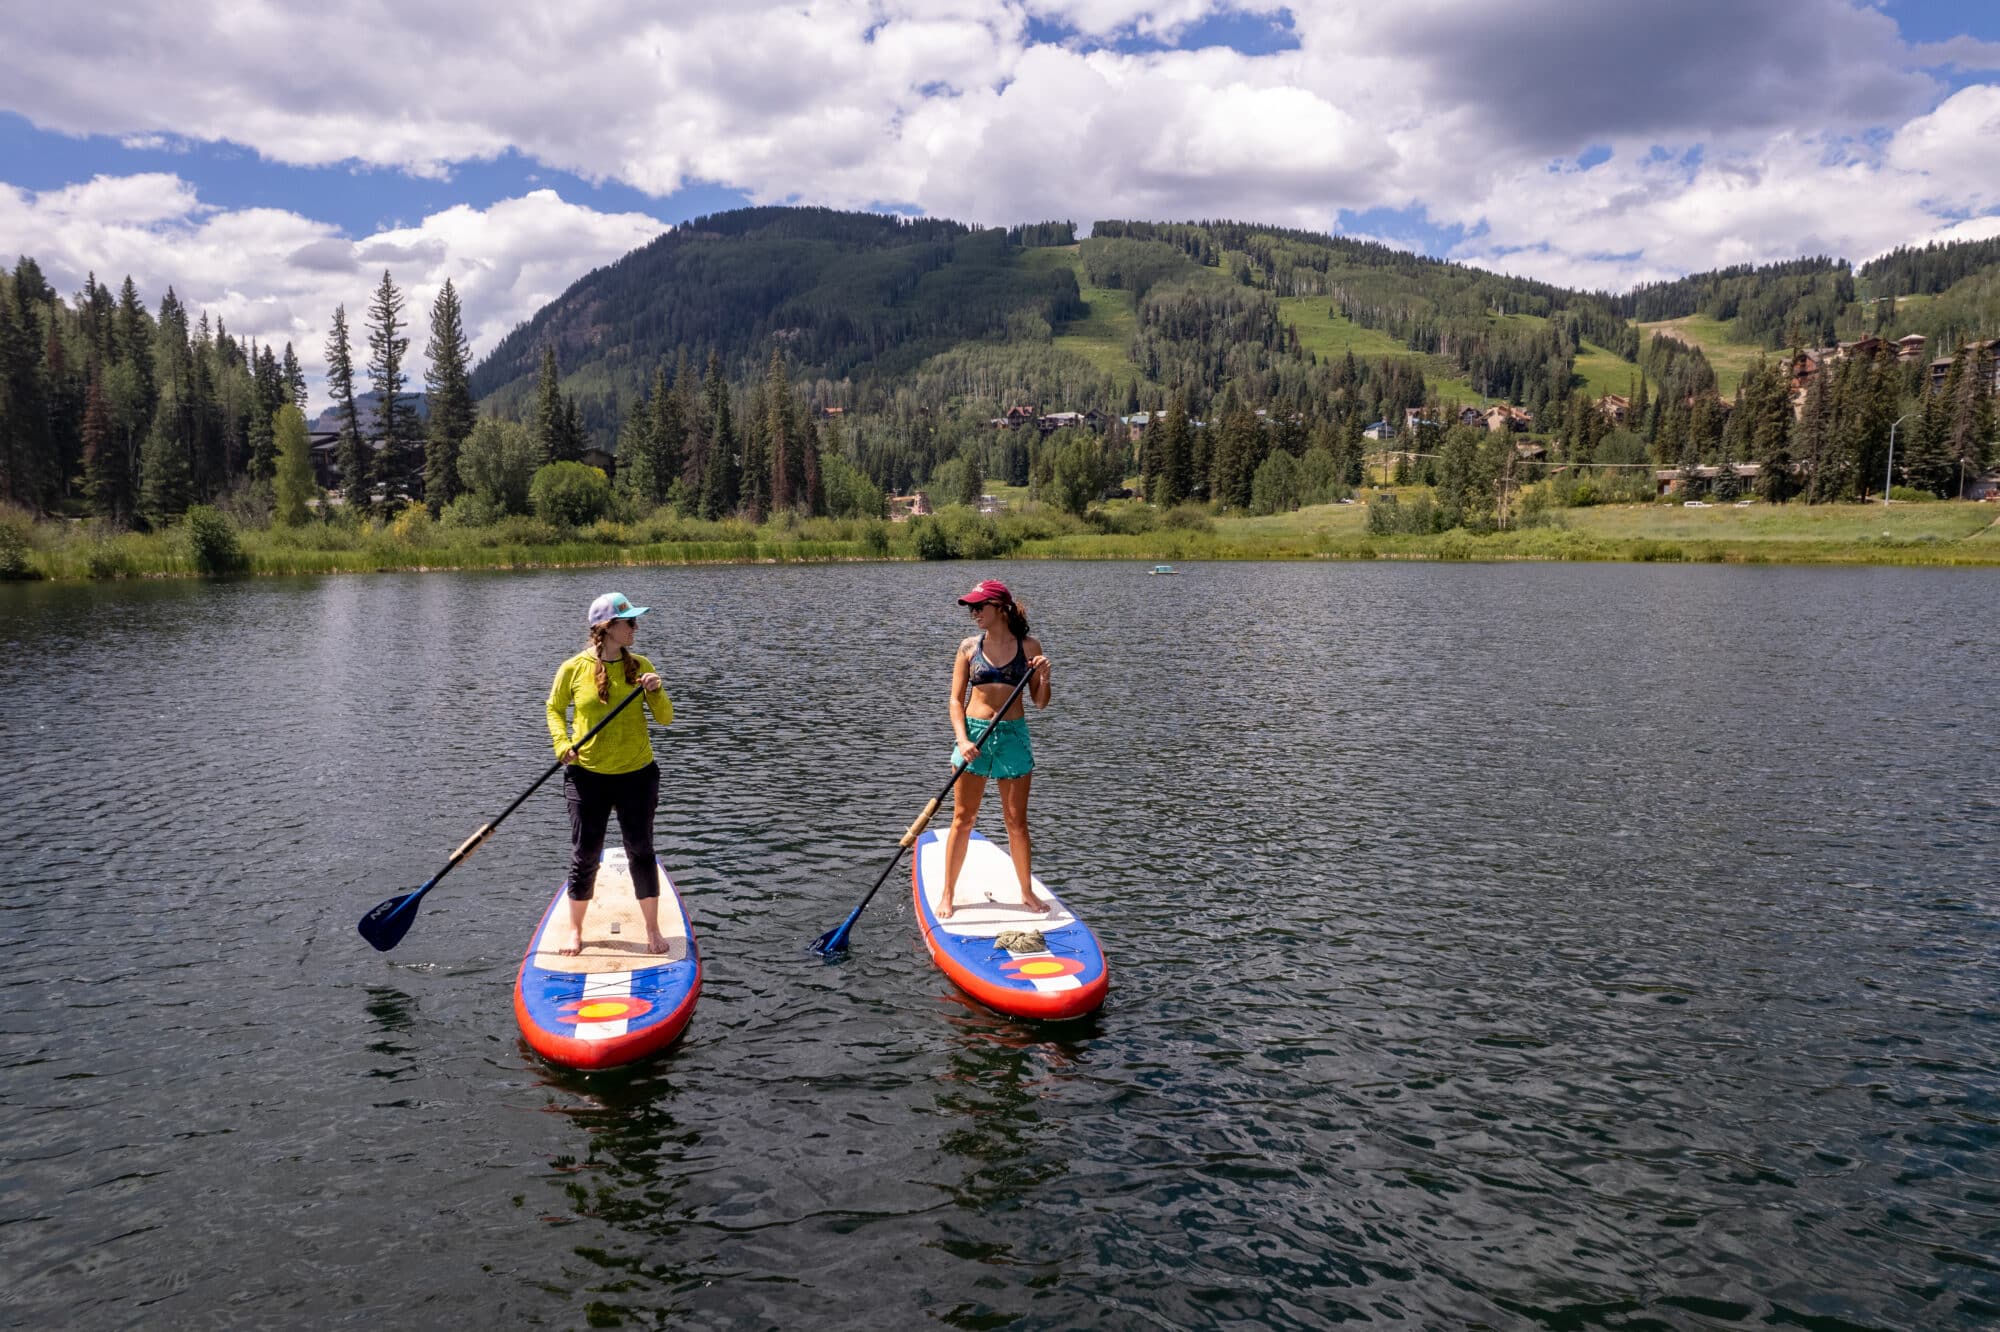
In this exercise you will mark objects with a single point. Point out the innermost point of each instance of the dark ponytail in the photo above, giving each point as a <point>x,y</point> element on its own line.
<point>1017,617</point>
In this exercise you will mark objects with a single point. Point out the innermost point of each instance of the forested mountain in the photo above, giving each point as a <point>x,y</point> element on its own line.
<point>776,358</point>
<point>841,294</point>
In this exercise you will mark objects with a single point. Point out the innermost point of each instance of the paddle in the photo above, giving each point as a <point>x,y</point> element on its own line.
<point>835,940</point>
<point>386,925</point>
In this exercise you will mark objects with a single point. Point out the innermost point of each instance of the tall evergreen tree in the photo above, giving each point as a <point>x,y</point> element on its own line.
<point>32,473</point>
<point>448,384</point>
<point>395,418</point>
<point>1969,436</point>
<point>1175,453</point>
<point>814,480</point>
<point>753,493</point>
<point>718,478</point>
<point>107,473</point>
<point>271,393</point>
<point>550,425</point>
<point>166,470</point>
<point>777,425</point>
<point>1822,474</point>
<point>340,384</point>
<point>294,376</point>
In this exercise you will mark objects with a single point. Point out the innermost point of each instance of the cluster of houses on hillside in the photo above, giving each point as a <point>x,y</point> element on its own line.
<point>1025,417</point>
<point>1805,365</point>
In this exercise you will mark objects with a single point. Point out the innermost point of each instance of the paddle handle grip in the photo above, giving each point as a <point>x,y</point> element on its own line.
<point>916,829</point>
<point>471,844</point>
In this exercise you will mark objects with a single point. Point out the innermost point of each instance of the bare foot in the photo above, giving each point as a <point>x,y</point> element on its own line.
<point>656,942</point>
<point>945,909</point>
<point>1035,906</point>
<point>569,943</point>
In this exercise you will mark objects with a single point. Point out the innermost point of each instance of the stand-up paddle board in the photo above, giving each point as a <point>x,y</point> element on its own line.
<point>1051,966</point>
<point>614,1002</point>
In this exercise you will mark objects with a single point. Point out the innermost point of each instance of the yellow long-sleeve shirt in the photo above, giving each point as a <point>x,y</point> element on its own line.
<point>623,746</point>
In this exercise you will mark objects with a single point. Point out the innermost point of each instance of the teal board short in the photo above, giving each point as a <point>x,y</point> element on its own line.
<point>1003,748</point>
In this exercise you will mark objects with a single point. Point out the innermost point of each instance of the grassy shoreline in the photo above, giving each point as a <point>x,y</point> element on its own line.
<point>1939,534</point>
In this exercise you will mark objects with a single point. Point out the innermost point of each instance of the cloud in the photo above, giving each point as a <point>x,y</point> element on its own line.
<point>277,277</point>
<point>1960,52</point>
<point>1810,125</point>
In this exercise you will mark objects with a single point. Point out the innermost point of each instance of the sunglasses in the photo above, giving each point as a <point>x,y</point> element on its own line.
<point>978,608</point>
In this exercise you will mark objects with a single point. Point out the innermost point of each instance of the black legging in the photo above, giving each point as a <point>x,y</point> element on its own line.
<point>592,797</point>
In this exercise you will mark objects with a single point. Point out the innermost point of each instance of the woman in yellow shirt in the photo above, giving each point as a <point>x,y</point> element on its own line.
<point>615,772</point>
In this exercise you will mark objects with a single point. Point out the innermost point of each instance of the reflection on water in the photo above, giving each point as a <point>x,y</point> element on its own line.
<point>1492,947</point>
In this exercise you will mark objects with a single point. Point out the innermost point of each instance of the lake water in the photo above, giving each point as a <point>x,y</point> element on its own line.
<point>1525,946</point>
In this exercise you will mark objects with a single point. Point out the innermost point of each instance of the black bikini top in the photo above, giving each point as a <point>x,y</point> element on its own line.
<point>985,672</point>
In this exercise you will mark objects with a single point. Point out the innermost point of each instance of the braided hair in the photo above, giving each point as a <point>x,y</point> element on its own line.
<point>603,676</point>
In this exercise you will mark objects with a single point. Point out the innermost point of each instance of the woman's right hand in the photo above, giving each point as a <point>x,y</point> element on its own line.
<point>569,756</point>
<point>967,751</point>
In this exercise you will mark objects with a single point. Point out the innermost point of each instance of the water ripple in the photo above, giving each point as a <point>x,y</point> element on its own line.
<point>1492,947</point>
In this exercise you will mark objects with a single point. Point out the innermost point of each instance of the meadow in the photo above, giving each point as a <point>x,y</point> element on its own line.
<point>1926,533</point>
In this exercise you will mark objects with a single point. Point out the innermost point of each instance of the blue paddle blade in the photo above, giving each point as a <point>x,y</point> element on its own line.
<point>385,926</point>
<point>834,941</point>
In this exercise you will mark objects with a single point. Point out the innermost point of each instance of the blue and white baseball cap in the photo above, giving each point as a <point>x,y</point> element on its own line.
<point>614,606</point>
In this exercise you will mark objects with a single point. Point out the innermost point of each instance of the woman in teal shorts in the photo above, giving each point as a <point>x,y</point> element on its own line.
<point>988,666</point>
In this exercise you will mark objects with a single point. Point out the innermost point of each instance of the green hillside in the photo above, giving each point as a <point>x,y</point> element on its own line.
<point>1715,337</point>
<point>960,321</point>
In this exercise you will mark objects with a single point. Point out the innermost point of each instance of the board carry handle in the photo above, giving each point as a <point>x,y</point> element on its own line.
<point>385,926</point>
<point>834,941</point>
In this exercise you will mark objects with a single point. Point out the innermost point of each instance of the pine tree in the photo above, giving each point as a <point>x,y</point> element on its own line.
<point>753,496</point>
<point>637,476</point>
<point>107,475</point>
<point>32,472</point>
<point>166,459</point>
<point>1969,436</point>
<point>1927,462</point>
<point>270,394</point>
<point>549,421</point>
<point>777,428</point>
<point>814,483</point>
<point>395,419</point>
<point>1813,450</point>
<point>670,433</point>
<point>449,388</point>
<point>1174,453</point>
<point>340,385</point>
<point>718,477</point>
<point>294,376</point>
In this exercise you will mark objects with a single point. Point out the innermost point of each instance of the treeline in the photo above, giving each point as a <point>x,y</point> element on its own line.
<point>1798,303</point>
<point>1913,271</point>
<point>131,413</point>
<point>1828,446</point>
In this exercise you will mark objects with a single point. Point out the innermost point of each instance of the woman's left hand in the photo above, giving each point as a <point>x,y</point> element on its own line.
<point>649,682</point>
<point>1039,663</point>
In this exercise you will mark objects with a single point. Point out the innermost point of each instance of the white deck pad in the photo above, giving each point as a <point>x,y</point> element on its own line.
<point>614,933</point>
<point>988,900</point>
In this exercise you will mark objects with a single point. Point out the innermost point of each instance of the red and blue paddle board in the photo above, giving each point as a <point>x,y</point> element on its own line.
<point>1065,978</point>
<point>614,1002</point>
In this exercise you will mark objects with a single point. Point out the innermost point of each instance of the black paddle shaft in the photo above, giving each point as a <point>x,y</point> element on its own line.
<point>385,926</point>
<point>835,939</point>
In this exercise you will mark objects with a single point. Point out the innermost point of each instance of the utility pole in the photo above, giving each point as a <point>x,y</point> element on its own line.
<point>1891,469</point>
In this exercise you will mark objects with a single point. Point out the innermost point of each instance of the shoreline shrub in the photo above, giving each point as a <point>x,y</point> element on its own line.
<point>212,542</point>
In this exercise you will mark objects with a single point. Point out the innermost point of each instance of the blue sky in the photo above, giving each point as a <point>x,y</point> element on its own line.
<point>269,164</point>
